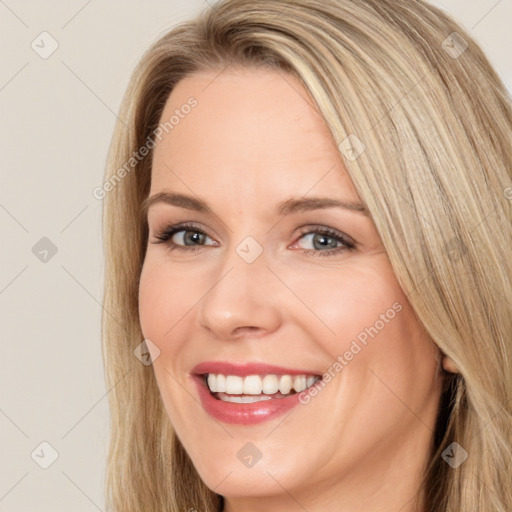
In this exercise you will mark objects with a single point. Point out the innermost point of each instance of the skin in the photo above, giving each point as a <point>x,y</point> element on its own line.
<point>253,140</point>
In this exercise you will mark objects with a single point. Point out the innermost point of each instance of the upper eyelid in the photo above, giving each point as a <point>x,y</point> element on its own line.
<point>180,226</point>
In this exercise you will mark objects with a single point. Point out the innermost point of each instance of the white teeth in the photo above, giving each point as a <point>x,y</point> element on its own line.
<point>256,384</point>
<point>234,385</point>
<point>220,382</point>
<point>299,383</point>
<point>252,385</point>
<point>285,384</point>
<point>243,399</point>
<point>270,384</point>
<point>212,381</point>
<point>310,381</point>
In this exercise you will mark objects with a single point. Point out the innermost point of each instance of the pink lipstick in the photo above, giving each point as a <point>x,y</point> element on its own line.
<point>249,393</point>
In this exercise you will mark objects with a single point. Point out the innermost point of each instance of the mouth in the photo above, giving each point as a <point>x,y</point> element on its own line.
<point>248,393</point>
<point>256,388</point>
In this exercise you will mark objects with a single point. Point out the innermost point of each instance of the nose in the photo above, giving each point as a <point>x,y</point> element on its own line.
<point>242,299</point>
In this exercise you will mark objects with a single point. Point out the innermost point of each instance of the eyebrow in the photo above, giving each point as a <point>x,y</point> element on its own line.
<point>286,207</point>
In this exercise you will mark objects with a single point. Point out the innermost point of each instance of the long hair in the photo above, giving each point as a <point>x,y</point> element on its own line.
<point>424,125</point>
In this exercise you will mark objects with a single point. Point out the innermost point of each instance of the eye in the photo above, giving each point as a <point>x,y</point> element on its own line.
<point>326,238</point>
<point>186,242</point>
<point>191,238</point>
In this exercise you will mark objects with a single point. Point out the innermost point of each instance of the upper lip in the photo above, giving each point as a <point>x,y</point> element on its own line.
<point>248,368</point>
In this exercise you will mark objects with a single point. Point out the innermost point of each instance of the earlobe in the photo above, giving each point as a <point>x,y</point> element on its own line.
<point>449,365</point>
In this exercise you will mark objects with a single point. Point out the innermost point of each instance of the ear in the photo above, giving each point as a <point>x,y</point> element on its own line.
<point>449,365</point>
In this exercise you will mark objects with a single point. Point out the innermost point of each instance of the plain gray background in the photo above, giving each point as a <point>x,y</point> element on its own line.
<point>57,117</point>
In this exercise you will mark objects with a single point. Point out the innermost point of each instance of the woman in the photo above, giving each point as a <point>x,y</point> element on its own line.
<point>377,376</point>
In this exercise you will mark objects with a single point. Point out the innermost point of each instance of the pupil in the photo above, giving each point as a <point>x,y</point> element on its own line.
<point>195,237</point>
<point>325,237</point>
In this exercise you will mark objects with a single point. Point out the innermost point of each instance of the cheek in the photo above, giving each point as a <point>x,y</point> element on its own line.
<point>165,298</point>
<point>362,315</point>
<point>354,302</point>
<point>150,301</point>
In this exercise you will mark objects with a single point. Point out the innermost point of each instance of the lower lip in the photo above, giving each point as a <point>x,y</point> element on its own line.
<point>243,414</point>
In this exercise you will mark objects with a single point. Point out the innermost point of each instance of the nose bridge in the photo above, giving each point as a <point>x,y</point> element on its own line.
<point>241,296</point>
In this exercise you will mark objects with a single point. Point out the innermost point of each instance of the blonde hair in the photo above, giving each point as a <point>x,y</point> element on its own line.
<point>435,174</point>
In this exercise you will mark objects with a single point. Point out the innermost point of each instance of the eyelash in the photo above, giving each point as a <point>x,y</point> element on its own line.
<point>167,233</point>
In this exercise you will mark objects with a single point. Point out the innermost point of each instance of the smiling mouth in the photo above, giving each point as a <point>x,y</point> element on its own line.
<point>256,388</point>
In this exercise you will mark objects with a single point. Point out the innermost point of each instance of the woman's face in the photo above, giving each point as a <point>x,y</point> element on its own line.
<point>257,280</point>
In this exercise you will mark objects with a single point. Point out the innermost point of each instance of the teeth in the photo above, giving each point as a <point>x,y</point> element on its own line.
<point>310,381</point>
<point>234,385</point>
<point>285,384</point>
<point>299,383</point>
<point>270,384</point>
<point>220,382</point>
<point>241,399</point>
<point>256,384</point>
<point>252,384</point>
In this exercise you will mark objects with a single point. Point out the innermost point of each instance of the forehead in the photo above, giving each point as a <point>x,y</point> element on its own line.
<point>250,129</point>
